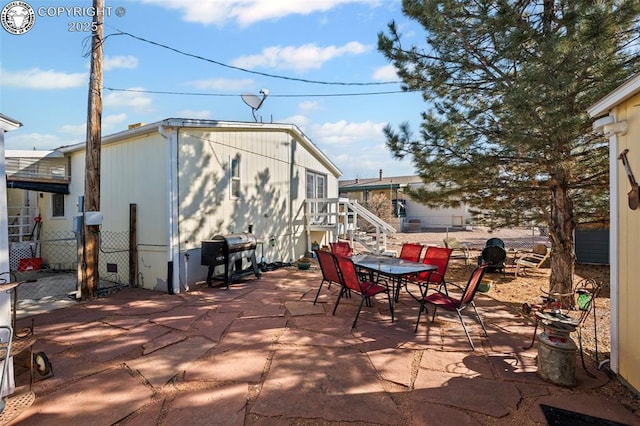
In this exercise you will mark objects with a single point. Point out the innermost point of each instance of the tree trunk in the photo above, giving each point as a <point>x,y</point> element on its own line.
<point>561,227</point>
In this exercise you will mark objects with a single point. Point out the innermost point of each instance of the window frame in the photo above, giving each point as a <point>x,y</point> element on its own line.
<point>56,205</point>
<point>235,178</point>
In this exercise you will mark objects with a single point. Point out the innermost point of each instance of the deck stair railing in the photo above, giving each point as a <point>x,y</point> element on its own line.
<point>340,217</point>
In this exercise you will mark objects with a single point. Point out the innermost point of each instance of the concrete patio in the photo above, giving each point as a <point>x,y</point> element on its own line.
<point>261,353</point>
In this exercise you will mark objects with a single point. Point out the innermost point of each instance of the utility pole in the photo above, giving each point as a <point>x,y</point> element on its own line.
<point>90,277</point>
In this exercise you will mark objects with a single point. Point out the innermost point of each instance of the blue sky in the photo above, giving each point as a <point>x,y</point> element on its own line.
<point>44,73</point>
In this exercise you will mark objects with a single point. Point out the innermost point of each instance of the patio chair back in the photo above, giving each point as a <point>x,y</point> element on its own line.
<point>349,274</point>
<point>472,286</point>
<point>341,248</point>
<point>411,251</point>
<point>448,302</point>
<point>351,281</point>
<point>329,269</point>
<point>438,257</point>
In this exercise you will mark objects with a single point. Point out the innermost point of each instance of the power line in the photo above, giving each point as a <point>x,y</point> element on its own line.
<point>167,92</point>
<point>222,64</point>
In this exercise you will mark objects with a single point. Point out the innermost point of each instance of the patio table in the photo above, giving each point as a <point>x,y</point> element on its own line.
<point>394,268</point>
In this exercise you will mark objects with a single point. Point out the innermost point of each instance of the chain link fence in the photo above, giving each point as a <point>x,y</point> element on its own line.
<point>50,264</point>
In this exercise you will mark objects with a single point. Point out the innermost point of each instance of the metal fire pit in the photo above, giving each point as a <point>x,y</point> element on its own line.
<point>230,251</point>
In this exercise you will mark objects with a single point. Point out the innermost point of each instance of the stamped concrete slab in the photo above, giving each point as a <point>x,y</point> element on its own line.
<point>245,331</point>
<point>161,341</point>
<point>101,399</point>
<point>303,308</point>
<point>436,414</point>
<point>150,306</point>
<point>125,322</point>
<point>79,334</point>
<point>485,396</point>
<point>393,365</point>
<point>214,325</point>
<point>180,318</point>
<point>325,385</point>
<point>466,364</point>
<point>126,344</point>
<point>516,368</point>
<point>240,364</point>
<point>223,405</point>
<point>162,365</point>
<point>149,415</point>
<point>300,337</point>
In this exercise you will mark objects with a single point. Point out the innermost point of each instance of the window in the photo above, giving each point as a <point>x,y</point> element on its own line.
<point>57,205</point>
<point>316,188</point>
<point>235,178</point>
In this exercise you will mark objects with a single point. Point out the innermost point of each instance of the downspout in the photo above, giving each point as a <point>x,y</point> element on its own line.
<point>612,129</point>
<point>173,248</point>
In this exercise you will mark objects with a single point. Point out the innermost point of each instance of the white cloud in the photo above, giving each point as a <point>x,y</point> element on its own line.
<point>221,84</point>
<point>247,12</point>
<point>109,123</point>
<point>302,58</point>
<point>343,132</point>
<point>188,113</point>
<point>33,141</point>
<point>299,120</point>
<point>309,106</point>
<point>112,62</point>
<point>38,79</point>
<point>386,73</point>
<point>74,129</point>
<point>133,99</point>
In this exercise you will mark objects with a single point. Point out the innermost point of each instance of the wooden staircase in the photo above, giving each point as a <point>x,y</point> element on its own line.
<point>338,217</point>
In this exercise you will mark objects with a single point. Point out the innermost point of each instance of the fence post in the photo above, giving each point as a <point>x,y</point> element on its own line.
<point>133,245</point>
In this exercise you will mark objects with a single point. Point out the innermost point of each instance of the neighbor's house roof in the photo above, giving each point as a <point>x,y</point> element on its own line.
<point>378,183</point>
<point>622,93</point>
<point>203,124</point>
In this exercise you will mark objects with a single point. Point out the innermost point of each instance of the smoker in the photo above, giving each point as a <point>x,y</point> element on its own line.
<point>230,251</point>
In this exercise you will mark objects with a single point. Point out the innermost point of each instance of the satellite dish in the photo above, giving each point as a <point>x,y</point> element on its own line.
<point>254,101</point>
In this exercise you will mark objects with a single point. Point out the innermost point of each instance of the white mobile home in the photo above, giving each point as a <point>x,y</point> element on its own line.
<point>410,215</point>
<point>190,180</point>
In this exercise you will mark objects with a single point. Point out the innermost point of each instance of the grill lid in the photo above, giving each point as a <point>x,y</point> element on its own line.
<point>243,241</point>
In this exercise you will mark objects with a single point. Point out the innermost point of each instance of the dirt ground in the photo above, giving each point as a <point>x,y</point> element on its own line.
<point>526,288</point>
<point>515,291</point>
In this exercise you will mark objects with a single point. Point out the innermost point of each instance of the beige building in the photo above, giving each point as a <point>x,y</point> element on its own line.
<point>409,215</point>
<point>191,180</point>
<point>617,116</point>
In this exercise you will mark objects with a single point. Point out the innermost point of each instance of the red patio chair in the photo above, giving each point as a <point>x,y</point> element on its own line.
<point>411,251</point>
<point>443,300</point>
<point>351,280</point>
<point>329,270</point>
<point>341,248</point>
<point>439,257</point>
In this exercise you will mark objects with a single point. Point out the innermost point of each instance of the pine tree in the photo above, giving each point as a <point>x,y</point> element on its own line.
<point>506,85</point>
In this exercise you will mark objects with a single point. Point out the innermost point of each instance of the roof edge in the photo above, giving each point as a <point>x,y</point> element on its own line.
<point>618,95</point>
<point>199,123</point>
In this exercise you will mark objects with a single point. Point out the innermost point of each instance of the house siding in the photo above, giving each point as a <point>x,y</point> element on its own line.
<point>629,249</point>
<point>134,170</point>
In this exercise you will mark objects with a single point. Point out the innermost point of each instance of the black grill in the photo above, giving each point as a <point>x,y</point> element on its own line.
<point>230,251</point>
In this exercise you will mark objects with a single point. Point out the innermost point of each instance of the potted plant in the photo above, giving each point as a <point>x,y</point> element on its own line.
<point>304,263</point>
